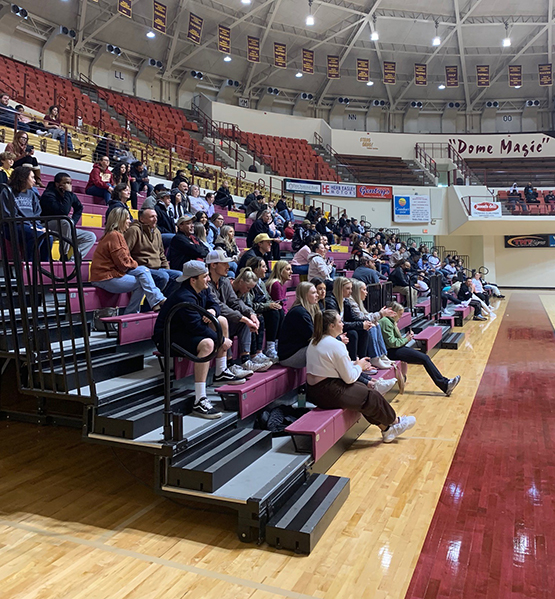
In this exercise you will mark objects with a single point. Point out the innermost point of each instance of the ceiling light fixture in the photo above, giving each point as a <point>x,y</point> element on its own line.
<point>441,86</point>
<point>506,40</point>
<point>150,34</point>
<point>227,58</point>
<point>437,40</point>
<point>298,74</point>
<point>310,16</point>
<point>375,36</point>
<point>369,83</point>
<point>245,1</point>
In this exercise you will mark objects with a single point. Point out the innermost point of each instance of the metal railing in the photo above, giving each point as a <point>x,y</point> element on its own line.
<point>426,160</point>
<point>446,150</point>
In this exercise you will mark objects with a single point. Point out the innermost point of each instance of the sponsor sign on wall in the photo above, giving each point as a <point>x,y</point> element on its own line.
<point>485,209</point>
<point>529,241</point>
<point>339,190</point>
<point>375,191</point>
<point>411,209</point>
<point>300,186</point>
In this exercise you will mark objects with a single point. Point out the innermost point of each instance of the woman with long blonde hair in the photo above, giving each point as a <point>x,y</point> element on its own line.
<point>114,270</point>
<point>277,282</point>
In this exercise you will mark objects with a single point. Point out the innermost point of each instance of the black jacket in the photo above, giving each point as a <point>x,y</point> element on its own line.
<point>464,293</point>
<point>183,248</point>
<point>187,322</point>
<point>223,195</point>
<point>54,204</point>
<point>257,227</point>
<point>252,253</point>
<point>166,223</point>
<point>350,323</point>
<point>295,333</point>
<point>117,204</point>
<point>399,278</point>
<point>301,238</point>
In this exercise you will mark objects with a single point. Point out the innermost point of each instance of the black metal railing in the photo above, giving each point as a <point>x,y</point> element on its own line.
<point>379,294</point>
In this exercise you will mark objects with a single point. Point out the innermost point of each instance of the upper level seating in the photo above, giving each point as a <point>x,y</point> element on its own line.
<point>503,172</point>
<point>385,170</point>
<point>534,209</point>
<point>288,157</point>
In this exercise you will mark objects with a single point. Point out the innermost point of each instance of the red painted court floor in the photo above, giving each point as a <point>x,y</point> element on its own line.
<point>493,532</point>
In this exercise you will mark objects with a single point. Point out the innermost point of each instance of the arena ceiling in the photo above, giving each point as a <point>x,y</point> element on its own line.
<point>471,33</point>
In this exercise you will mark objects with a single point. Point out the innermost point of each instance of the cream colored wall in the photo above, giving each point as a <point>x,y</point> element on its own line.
<point>524,267</point>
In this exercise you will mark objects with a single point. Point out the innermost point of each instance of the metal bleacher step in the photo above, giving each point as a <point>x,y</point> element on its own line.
<point>211,465</point>
<point>302,521</point>
<point>43,335</point>
<point>452,340</point>
<point>104,367</point>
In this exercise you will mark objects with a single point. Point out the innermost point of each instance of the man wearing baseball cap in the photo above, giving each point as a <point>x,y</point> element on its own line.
<point>261,248</point>
<point>185,246</point>
<point>242,320</point>
<point>194,333</point>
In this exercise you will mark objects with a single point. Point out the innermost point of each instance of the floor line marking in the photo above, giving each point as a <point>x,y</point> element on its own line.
<point>159,561</point>
<point>108,534</point>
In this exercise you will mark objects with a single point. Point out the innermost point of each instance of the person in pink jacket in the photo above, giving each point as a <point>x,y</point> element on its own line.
<point>101,182</point>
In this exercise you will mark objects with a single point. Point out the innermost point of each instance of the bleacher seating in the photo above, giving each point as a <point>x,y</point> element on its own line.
<point>503,172</point>
<point>382,170</point>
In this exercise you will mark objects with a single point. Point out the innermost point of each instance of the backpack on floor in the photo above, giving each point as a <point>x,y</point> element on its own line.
<point>277,419</point>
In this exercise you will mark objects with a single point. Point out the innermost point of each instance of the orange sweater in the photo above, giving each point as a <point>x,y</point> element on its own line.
<point>111,259</point>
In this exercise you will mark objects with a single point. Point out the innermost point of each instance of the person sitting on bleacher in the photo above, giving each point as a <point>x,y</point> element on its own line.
<point>399,347</point>
<point>549,198</point>
<point>179,206</point>
<point>284,210</point>
<point>185,246</point>
<point>242,320</point>
<point>514,198</point>
<point>157,191</point>
<point>262,226</point>
<point>166,223</point>
<point>530,194</point>
<point>302,237</point>
<point>144,241</point>
<point>213,227</point>
<point>6,166</point>
<point>119,199</point>
<point>198,203</point>
<point>24,154</point>
<point>251,197</point>
<point>298,327</point>
<point>465,295</point>
<point>101,182</point>
<point>139,172</point>
<point>121,174</point>
<point>53,125</point>
<point>8,114</point>
<point>318,265</point>
<point>254,208</point>
<point>278,281</point>
<point>58,199</point>
<point>20,199</point>
<point>333,379</point>
<point>299,263</point>
<point>366,271</point>
<point>114,270</point>
<point>226,241</point>
<point>194,333</point>
<point>401,282</point>
<point>261,247</point>
<point>180,176</point>
<point>34,126</point>
<point>224,197</point>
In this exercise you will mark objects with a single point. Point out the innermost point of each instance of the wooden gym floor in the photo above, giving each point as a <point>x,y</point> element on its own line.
<point>79,521</point>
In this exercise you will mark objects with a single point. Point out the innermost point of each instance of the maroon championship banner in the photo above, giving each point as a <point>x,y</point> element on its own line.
<point>159,20</point>
<point>363,70</point>
<point>482,75</point>
<point>253,49</point>
<point>280,55</point>
<point>389,72</point>
<point>515,75</point>
<point>383,192</point>
<point>421,74</point>
<point>224,39</point>
<point>124,8</point>
<point>452,76</point>
<point>545,73</point>
<point>333,67</point>
<point>308,61</point>
<point>194,32</point>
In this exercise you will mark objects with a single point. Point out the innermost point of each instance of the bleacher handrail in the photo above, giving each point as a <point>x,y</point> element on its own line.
<point>426,160</point>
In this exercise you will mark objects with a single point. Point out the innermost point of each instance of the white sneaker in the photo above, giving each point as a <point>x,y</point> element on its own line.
<point>240,371</point>
<point>384,385</point>
<point>260,359</point>
<point>378,363</point>
<point>257,367</point>
<point>386,360</point>
<point>395,430</point>
<point>272,354</point>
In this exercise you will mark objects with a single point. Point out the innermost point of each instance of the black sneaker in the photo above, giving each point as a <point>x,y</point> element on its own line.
<point>479,317</point>
<point>228,378</point>
<point>205,409</point>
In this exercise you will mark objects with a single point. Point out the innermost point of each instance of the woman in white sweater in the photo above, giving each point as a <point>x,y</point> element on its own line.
<point>333,379</point>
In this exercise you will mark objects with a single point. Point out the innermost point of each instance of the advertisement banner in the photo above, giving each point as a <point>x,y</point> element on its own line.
<point>420,74</point>
<point>280,55</point>
<point>253,49</point>
<point>300,186</point>
<point>194,32</point>
<point>545,73</point>
<point>124,8</point>
<point>159,21</point>
<point>529,241</point>
<point>515,75</point>
<point>363,69</point>
<point>224,39</point>
<point>339,190</point>
<point>383,192</point>
<point>485,209</point>
<point>333,67</point>
<point>389,73</point>
<point>482,75</point>
<point>452,76</point>
<point>411,209</point>
<point>308,61</point>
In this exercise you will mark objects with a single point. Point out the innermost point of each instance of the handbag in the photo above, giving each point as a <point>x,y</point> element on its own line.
<point>100,325</point>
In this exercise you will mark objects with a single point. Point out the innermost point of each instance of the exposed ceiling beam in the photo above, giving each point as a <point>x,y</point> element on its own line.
<point>460,42</point>
<point>175,35</point>
<point>550,47</point>
<point>214,38</point>
<point>269,21</point>
<point>438,49</point>
<point>82,20</point>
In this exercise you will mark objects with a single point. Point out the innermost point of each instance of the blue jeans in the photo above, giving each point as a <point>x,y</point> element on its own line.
<point>61,135</point>
<point>164,279</point>
<point>26,237</point>
<point>376,345</point>
<point>139,282</point>
<point>300,270</point>
<point>288,215</point>
<point>98,192</point>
